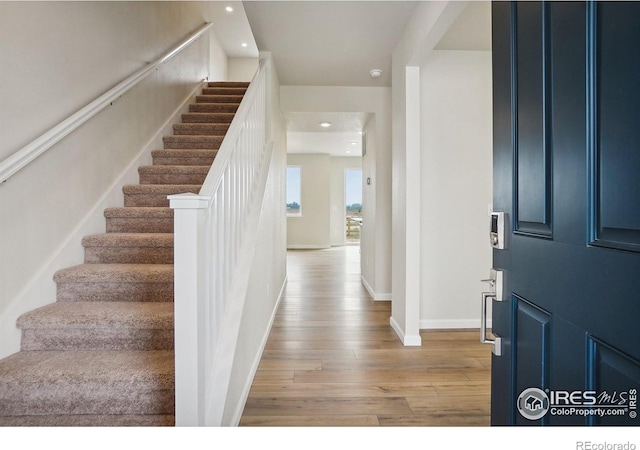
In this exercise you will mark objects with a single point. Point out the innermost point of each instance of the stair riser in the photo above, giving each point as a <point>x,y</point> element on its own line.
<point>61,399</point>
<point>224,91</point>
<point>204,117</point>
<point>128,255</point>
<point>115,292</point>
<point>89,420</point>
<point>218,98</point>
<point>143,225</point>
<point>149,200</point>
<point>178,160</point>
<point>243,84</point>
<point>150,196</point>
<point>200,129</point>
<point>96,339</point>
<point>170,178</point>
<point>213,107</point>
<point>193,142</point>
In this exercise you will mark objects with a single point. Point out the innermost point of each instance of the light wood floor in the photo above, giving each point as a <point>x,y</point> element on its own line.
<point>333,360</point>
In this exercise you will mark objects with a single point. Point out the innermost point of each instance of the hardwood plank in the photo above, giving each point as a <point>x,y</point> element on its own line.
<point>434,420</point>
<point>332,406</point>
<point>404,364</point>
<point>318,390</point>
<point>273,376</point>
<point>353,420</point>
<point>464,388</point>
<point>320,345</point>
<point>290,364</point>
<point>308,354</point>
<point>476,405</point>
<point>378,376</point>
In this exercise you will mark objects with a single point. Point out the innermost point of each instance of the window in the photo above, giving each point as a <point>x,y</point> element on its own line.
<point>294,196</point>
<point>353,203</point>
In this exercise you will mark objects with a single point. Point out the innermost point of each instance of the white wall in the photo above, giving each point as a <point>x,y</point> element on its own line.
<point>56,57</point>
<point>377,101</point>
<point>242,69</point>
<point>339,165</point>
<point>425,29</point>
<point>456,167</point>
<point>312,228</point>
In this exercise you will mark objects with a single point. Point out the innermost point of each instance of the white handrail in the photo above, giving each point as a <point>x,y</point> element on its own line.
<point>31,151</point>
<point>214,236</point>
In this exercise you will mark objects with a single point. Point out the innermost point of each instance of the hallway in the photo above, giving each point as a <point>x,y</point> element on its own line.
<point>333,360</point>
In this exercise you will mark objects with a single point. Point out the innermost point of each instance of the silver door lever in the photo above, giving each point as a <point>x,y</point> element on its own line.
<point>496,285</point>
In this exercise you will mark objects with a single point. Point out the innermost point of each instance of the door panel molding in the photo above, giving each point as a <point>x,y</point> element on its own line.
<point>613,134</point>
<point>530,63</point>
<point>608,371</point>
<point>532,327</point>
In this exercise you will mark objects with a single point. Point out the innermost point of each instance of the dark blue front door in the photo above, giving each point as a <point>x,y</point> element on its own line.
<point>567,177</point>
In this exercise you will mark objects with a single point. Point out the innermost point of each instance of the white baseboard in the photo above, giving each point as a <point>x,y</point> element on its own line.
<point>235,420</point>
<point>374,295</point>
<point>307,247</point>
<point>440,324</point>
<point>407,340</point>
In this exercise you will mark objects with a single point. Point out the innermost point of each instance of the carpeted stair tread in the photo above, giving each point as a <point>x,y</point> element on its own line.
<point>138,212</point>
<point>139,220</point>
<point>243,84</point>
<point>225,98</point>
<point>128,240</point>
<point>213,107</point>
<point>89,420</point>
<point>149,315</point>
<point>98,326</point>
<point>128,248</point>
<point>87,382</point>
<point>184,157</point>
<point>173,174</point>
<point>155,194</point>
<point>224,90</point>
<point>123,273</point>
<point>115,283</point>
<point>192,142</point>
<point>207,117</point>
<point>200,129</point>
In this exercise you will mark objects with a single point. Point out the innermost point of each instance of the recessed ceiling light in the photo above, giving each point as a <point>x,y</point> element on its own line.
<point>228,9</point>
<point>375,73</point>
<point>353,143</point>
<point>348,151</point>
<point>325,124</point>
<point>244,44</point>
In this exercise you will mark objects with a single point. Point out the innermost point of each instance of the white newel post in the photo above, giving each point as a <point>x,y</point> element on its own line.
<point>188,218</point>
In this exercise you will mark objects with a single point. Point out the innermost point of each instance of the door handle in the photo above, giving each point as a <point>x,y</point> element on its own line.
<point>494,341</point>
<point>496,292</point>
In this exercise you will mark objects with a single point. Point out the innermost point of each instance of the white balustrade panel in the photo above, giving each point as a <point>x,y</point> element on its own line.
<point>213,240</point>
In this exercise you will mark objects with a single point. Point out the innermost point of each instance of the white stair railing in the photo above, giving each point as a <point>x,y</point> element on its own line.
<point>215,233</point>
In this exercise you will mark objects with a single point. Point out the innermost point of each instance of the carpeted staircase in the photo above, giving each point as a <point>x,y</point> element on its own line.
<point>102,355</point>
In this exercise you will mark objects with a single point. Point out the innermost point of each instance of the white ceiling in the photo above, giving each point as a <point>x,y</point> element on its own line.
<point>329,43</point>
<point>471,30</point>
<point>232,28</point>
<point>305,135</point>
<point>337,43</point>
